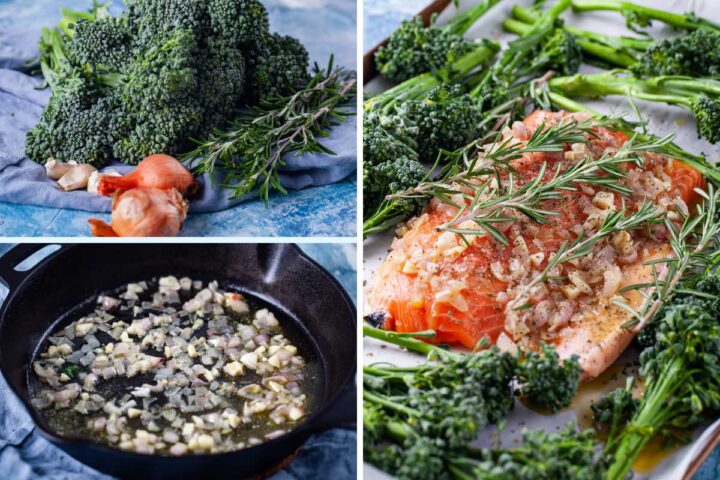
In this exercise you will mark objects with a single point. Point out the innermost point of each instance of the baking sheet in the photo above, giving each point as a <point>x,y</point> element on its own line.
<point>662,120</point>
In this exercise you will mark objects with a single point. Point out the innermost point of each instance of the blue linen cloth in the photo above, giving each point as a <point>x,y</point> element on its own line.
<point>26,455</point>
<point>21,104</point>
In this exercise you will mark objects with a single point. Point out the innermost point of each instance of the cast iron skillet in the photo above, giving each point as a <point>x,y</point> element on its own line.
<point>301,291</point>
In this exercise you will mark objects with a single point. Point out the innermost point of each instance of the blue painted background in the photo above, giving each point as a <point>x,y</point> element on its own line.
<point>328,211</point>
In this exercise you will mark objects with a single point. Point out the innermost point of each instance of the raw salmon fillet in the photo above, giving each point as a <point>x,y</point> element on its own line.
<point>432,280</point>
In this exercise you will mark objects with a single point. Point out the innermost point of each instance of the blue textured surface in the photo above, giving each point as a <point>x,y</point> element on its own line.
<point>326,211</point>
<point>25,455</point>
<point>381,18</point>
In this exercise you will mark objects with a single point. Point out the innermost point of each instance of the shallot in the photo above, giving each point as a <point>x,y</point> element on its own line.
<point>156,171</point>
<point>143,213</point>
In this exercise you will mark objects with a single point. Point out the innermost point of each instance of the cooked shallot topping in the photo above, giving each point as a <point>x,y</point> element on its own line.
<point>183,369</point>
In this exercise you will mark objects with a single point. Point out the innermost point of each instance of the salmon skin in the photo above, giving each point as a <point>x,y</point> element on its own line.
<point>432,280</point>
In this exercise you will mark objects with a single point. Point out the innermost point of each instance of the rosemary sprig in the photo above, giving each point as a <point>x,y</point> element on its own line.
<point>499,156</point>
<point>604,172</point>
<point>691,243</point>
<point>582,246</point>
<point>253,147</point>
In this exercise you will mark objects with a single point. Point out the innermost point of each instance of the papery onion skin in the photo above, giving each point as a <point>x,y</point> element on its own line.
<point>144,213</point>
<point>156,171</point>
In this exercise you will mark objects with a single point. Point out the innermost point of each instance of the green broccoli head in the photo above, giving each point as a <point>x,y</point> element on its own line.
<point>446,119</point>
<point>240,22</point>
<point>76,125</point>
<point>163,73</point>
<point>171,69</point>
<point>222,75</point>
<point>106,42</point>
<point>695,54</point>
<point>148,18</point>
<point>546,381</point>
<point>276,67</point>
<point>166,129</point>
<point>414,49</point>
<point>707,117</point>
<point>614,410</point>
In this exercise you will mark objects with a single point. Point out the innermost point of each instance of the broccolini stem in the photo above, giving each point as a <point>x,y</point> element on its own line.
<point>645,14</point>
<point>608,84</point>
<point>418,86</point>
<point>652,413</point>
<point>519,49</point>
<point>526,15</point>
<point>390,404</point>
<point>460,24</point>
<point>404,341</point>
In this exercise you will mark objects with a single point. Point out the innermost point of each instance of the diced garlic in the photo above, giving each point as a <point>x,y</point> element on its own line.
<point>604,200</point>
<point>233,369</point>
<point>571,292</point>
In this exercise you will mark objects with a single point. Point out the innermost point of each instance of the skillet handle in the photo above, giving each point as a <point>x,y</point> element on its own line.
<point>12,258</point>
<point>341,412</point>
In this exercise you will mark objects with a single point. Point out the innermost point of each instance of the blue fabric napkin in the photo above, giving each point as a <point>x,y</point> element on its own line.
<point>21,104</point>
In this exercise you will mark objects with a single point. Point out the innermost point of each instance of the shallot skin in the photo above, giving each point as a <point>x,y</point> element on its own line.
<point>156,171</point>
<point>143,212</point>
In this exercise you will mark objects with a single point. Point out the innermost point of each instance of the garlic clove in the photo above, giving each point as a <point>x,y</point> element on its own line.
<point>94,180</point>
<point>76,178</point>
<point>56,169</point>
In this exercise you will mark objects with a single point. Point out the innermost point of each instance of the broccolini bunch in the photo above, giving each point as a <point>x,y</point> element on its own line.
<point>162,73</point>
<point>681,371</point>
<point>418,421</point>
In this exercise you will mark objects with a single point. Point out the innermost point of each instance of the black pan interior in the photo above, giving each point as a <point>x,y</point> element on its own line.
<point>293,328</point>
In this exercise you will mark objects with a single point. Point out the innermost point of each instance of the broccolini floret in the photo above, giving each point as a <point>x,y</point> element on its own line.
<point>563,455</point>
<point>414,49</point>
<point>385,139</point>
<point>614,410</point>
<point>546,381</point>
<point>446,119</point>
<point>389,178</point>
<point>695,54</point>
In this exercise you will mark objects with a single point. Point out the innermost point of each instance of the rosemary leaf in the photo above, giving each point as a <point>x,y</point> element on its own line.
<point>252,148</point>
